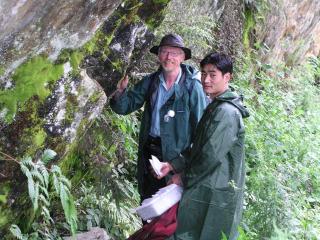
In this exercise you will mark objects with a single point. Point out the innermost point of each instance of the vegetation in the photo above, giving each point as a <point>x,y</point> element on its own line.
<point>282,149</point>
<point>30,79</point>
<point>44,185</point>
<point>108,192</point>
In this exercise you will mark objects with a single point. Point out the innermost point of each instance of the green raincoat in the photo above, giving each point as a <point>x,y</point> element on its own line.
<point>214,173</point>
<point>188,103</point>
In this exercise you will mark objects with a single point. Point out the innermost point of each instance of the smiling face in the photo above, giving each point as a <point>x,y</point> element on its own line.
<point>213,81</point>
<point>170,58</point>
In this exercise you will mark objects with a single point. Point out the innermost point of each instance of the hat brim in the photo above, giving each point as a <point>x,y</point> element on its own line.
<point>187,51</point>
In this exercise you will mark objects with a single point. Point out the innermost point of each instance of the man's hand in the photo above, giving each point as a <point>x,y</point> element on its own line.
<point>176,179</point>
<point>122,84</point>
<point>165,169</point>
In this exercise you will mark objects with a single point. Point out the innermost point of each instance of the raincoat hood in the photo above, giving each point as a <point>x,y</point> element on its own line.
<point>232,97</point>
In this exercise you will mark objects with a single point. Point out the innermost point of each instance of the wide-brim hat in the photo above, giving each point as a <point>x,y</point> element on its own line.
<point>172,40</point>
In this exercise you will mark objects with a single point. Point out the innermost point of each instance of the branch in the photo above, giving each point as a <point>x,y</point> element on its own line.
<point>9,158</point>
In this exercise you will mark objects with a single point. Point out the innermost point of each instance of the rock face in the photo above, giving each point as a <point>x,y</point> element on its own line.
<point>291,31</point>
<point>30,27</point>
<point>58,62</point>
<point>231,22</point>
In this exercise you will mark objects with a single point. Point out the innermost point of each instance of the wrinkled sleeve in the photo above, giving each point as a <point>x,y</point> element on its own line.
<point>130,100</point>
<point>179,163</point>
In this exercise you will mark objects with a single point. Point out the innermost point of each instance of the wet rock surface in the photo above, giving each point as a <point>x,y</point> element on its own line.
<point>291,31</point>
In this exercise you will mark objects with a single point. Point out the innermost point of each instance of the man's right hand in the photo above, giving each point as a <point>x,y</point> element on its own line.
<point>165,169</point>
<point>122,84</point>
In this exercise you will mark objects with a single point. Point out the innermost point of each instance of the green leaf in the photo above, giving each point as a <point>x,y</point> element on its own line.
<point>56,183</point>
<point>45,175</point>
<point>68,207</point>
<point>37,176</point>
<point>48,155</point>
<point>16,232</point>
<point>44,200</point>
<point>36,197</point>
<point>31,185</point>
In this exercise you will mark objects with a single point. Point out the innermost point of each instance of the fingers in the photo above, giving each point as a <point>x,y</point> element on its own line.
<point>123,83</point>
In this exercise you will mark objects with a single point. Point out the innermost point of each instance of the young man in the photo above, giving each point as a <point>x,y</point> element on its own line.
<point>214,168</point>
<point>174,102</point>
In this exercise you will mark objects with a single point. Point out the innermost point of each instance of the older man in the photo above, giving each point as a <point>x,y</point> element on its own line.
<point>174,102</point>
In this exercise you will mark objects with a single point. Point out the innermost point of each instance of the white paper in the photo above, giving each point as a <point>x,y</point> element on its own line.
<point>156,164</point>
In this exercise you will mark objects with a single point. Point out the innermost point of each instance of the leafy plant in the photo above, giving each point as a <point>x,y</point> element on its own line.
<point>103,210</point>
<point>43,186</point>
<point>108,189</point>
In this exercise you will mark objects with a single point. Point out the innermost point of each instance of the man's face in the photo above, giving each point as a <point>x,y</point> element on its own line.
<point>170,58</point>
<point>213,81</point>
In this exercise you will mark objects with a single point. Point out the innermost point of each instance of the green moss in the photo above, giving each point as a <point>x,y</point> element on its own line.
<point>248,26</point>
<point>75,59</point>
<point>30,80</point>
<point>4,194</point>
<point>160,1</point>
<point>73,166</point>
<point>99,42</point>
<point>2,71</point>
<point>39,138</point>
<point>4,210</point>
<point>118,64</point>
<point>71,109</point>
<point>3,218</point>
<point>155,19</point>
<point>94,97</point>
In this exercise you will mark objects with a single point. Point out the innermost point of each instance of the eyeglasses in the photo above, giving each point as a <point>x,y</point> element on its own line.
<point>173,54</point>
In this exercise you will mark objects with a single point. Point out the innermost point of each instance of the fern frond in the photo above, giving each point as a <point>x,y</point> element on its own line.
<point>44,200</point>
<point>37,175</point>
<point>44,172</point>
<point>36,197</point>
<point>45,192</point>
<point>55,169</point>
<point>48,155</point>
<point>56,183</point>
<point>16,232</point>
<point>65,181</point>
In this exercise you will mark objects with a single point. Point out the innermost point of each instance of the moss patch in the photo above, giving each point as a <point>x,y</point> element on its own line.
<point>39,137</point>
<point>30,80</point>
<point>2,71</point>
<point>4,194</point>
<point>248,26</point>
<point>160,1</point>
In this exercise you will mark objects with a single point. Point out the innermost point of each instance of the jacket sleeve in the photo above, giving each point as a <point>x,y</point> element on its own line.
<point>197,106</point>
<point>131,100</point>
